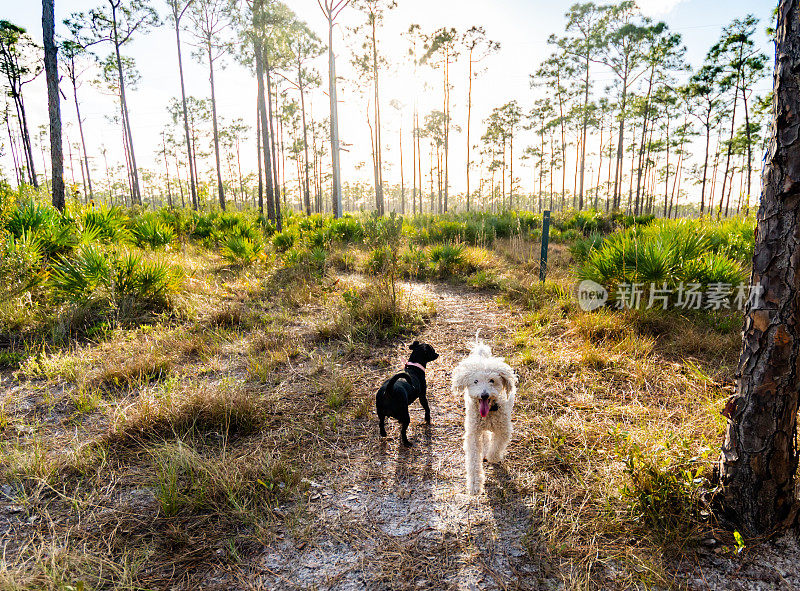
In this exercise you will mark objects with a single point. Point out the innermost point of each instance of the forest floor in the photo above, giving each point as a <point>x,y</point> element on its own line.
<point>239,450</point>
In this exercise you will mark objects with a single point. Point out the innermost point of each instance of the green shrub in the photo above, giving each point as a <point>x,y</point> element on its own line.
<point>106,282</point>
<point>107,224</point>
<point>149,231</point>
<point>664,252</point>
<point>581,248</point>
<point>447,258</point>
<point>662,490</point>
<point>307,261</point>
<point>203,226</point>
<point>346,229</point>
<point>373,314</point>
<point>21,264</point>
<point>242,251</point>
<point>414,262</point>
<point>283,241</point>
<point>56,233</point>
<point>378,260</point>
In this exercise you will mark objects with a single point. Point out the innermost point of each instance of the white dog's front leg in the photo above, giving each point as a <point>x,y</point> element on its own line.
<point>473,459</point>
<point>500,439</point>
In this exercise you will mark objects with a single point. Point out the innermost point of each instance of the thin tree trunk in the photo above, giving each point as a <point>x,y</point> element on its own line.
<point>336,181</point>
<point>53,102</point>
<point>620,142</point>
<point>705,162</point>
<point>402,179</point>
<point>379,201</point>
<point>276,189</point>
<point>730,149</point>
<point>583,135</point>
<point>80,127</point>
<point>306,194</point>
<point>136,196</point>
<point>192,173</point>
<point>469,116</point>
<point>166,168</point>
<point>262,109</point>
<point>259,155</point>
<point>414,165</point>
<point>220,188</point>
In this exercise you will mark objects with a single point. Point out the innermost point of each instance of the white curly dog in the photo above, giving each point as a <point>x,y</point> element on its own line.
<point>488,384</point>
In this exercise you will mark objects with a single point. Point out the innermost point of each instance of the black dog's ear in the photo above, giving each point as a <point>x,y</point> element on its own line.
<point>414,345</point>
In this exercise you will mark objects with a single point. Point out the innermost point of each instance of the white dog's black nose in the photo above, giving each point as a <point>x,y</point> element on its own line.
<point>485,396</point>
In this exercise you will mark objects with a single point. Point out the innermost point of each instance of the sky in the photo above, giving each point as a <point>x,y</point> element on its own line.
<point>521,26</point>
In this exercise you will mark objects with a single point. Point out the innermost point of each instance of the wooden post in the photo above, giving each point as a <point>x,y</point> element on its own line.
<point>545,242</point>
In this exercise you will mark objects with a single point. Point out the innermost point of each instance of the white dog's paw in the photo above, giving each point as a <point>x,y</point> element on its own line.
<point>493,457</point>
<point>475,486</point>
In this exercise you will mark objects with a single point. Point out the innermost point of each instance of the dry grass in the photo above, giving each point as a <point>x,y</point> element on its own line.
<point>222,411</point>
<point>616,438</point>
<point>372,313</point>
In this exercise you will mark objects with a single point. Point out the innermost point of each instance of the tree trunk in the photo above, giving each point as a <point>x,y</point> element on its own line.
<point>414,165</point>
<point>262,110</point>
<point>730,149</point>
<point>379,201</point>
<point>306,190</point>
<point>53,103</point>
<point>759,455</point>
<point>620,142</point>
<point>705,162</point>
<point>192,174</point>
<point>136,196</point>
<point>26,137</point>
<point>258,154</point>
<point>469,116</point>
<point>749,150</point>
<point>645,121</point>
<point>336,181</point>
<point>166,168</point>
<point>583,135</point>
<point>446,128</point>
<point>271,145</point>
<point>80,129</point>
<point>402,178</point>
<point>220,188</point>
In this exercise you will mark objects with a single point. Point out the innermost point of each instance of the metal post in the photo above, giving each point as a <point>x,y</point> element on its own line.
<point>545,242</point>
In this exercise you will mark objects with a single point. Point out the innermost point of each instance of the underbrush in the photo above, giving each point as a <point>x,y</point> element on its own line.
<point>371,313</point>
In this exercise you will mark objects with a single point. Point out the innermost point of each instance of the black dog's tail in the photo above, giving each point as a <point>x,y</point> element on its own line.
<point>393,379</point>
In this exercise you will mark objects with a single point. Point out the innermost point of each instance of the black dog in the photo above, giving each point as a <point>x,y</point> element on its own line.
<point>399,391</point>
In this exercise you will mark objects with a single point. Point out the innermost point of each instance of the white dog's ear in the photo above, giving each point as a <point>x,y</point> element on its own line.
<point>460,379</point>
<point>509,378</point>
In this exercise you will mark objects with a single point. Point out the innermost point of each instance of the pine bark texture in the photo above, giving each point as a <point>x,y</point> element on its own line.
<point>759,455</point>
<point>53,102</point>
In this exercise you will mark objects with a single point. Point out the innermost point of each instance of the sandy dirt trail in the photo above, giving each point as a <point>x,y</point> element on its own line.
<point>396,518</point>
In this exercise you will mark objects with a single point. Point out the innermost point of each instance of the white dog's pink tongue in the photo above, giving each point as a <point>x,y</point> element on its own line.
<point>484,407</point>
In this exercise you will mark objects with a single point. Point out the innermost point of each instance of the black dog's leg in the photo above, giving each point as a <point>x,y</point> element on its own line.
<point>382,425</point>
<point>403,436</point>
<point>404,419</point>
<point>424,401</point>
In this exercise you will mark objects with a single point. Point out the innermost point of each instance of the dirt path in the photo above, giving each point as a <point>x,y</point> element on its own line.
<point>388,517</point>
